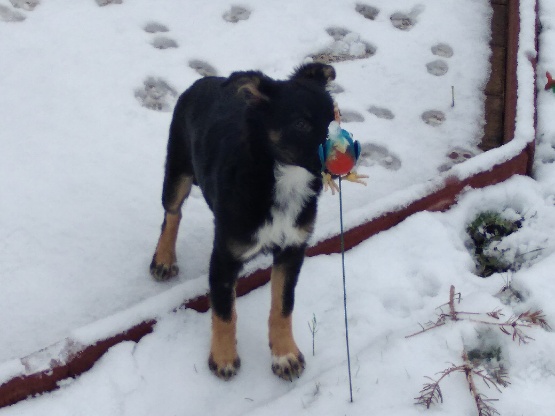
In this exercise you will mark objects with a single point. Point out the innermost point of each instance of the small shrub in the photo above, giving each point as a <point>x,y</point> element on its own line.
<point>485,231</point>
<point>483,363</point>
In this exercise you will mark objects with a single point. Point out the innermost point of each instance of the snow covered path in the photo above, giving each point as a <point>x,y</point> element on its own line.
<point>395,281</point>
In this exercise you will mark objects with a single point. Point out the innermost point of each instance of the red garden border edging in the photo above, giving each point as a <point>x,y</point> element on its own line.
<point>82,358</point>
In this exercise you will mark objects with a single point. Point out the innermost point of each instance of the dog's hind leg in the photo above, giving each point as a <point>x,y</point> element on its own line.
<point>287,361</point>
<point>176,190</point>
<point>178,180</point>
<point>224,268</point>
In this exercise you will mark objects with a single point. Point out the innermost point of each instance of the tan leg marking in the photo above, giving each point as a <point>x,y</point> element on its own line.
<point>287,360</point>
<point>224,361</point>
<point>163,264</point>
<point>182,191</point>
<point>165,250</point>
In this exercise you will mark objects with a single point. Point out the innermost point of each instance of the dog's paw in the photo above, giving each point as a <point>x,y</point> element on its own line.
<point>288,366</point>
<point>224,370</point>
<point>162,271</point>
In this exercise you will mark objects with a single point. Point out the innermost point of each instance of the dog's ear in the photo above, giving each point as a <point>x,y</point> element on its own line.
<point>252,86</point>
<point>321,73</point>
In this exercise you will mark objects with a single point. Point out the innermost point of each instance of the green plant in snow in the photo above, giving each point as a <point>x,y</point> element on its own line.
<point>486,231</point>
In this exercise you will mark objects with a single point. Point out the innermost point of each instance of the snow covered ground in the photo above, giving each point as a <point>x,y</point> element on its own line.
<point>82,160</point>
<point>81,167</point>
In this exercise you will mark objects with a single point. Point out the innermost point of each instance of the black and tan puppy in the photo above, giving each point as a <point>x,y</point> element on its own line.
<point>251,144</point>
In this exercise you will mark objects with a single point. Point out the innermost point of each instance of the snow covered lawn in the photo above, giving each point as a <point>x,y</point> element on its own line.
<point>81,160</point>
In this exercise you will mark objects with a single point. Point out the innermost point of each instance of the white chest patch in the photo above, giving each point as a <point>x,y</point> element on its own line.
<point>291,192</point>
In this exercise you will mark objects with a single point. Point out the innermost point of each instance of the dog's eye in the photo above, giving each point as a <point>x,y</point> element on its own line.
<point>303,125</point>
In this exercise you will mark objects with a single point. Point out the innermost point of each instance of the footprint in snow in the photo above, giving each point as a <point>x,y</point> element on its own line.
<point>236,13</point>
<point>433,117</point>
<point>155,27</point>
<point>156,94</point>
<point>459,154</point>
<point>9,15</point>
<point>349,116</point>
<point>371,154</point>
<point>346,46</point>
<point>369,12</point>
<point>438,67</point>
<point>203,68</point>
<point>406,21</point>
<point>163,42</point>
<point>106,2</point>
<point>443,50</point>
<point>456,155</point>
<point>337,32</point>
<point>402,21</point>
<point>28,5</point>
<point>381,112</point>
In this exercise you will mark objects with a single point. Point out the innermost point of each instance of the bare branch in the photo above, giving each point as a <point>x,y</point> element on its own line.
<point>452,310</point>
<point>482,402</point>
<point>431,392</point>
<point>424,329</point>
<point>535,318</point>
<point>495,314</point>
<point>513,326</point>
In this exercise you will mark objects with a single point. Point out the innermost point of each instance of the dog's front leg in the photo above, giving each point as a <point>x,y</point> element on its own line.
<point>287,360</point>
<point>224,360</point>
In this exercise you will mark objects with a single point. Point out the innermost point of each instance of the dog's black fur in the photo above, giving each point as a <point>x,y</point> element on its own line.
<point>251,144</point>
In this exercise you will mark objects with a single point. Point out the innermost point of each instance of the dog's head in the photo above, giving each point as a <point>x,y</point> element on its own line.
<point>292,115</point>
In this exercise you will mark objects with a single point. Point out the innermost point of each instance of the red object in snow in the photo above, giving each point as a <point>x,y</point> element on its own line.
<point>550,82</point>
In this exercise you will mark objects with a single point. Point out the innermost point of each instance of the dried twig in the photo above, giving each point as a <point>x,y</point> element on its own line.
<point>442,318</point>
<point>452,310</point>
<point>513,326</point>
<point>535,318</point>
<point>431,392</point>
<point>312,327</point>
<point>482,402</point>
